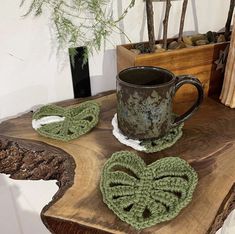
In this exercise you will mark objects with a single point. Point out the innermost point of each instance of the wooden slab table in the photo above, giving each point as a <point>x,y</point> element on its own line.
<point>208,144</point>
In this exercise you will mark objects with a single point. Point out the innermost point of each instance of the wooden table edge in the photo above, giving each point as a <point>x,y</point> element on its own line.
<point>67,226</point>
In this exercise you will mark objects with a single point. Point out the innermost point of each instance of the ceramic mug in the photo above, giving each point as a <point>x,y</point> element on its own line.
<point>144,101</point>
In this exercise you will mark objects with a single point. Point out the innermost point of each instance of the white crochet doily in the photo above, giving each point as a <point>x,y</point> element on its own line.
<point>46,120</point>
<point>135,144</point>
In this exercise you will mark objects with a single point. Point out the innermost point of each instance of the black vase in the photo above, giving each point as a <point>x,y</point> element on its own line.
<point>80,73</point>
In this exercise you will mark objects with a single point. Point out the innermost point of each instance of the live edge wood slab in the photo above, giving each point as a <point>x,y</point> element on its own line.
<point>208,144</point>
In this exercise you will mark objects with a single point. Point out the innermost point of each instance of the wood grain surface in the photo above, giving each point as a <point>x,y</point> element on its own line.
<point>208,144</point>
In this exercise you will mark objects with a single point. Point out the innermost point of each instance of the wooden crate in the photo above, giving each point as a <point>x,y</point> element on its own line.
<point>198,61</point>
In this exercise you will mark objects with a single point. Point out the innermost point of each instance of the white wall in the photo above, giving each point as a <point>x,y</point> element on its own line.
<point>32,73</point>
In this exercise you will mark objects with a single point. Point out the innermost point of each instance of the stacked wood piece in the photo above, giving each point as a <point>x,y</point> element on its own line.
<point>228,91</point>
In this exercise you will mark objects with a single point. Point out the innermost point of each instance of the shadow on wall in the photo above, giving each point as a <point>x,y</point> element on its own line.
<point>195,15</point>
<point>121,23</point>
<point>107,79</point>
<point>143,25</point>
<point>195,19</point>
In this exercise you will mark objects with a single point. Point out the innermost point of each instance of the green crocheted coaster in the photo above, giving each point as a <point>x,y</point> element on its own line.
<point>76,120</point>
<point>146,195</point>
<point>149,146</point>
<point>152,146</point>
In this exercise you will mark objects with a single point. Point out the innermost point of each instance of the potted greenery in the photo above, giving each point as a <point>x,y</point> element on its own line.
<point>201,55</point>
<point>86,23</point>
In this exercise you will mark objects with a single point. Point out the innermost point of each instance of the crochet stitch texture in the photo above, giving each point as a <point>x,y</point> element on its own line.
<point>146,195</point>
<point>149,146</point>
<point>78,120</point>
<point>152,146</point>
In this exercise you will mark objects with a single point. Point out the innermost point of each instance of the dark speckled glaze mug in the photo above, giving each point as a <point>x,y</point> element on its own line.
<point>144,101</point>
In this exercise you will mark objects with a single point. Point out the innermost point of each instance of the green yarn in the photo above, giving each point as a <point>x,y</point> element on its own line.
<point>78,120</point>
<point>152,146</point>
<point>146,195</point>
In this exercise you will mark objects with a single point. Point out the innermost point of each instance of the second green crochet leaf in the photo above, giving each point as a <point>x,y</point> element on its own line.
<point>66,123</point>
<point>144,195</point>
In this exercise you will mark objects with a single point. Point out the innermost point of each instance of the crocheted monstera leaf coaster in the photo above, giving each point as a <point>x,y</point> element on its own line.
<point>66,123</point>
<point>146,195</point>
<point>164,142</point>
<point>149,146</point>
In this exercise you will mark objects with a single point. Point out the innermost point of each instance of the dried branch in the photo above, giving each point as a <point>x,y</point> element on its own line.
<point>181,29</point>
<point>165,23</point>
<point>229,19</point>
<point>149,9</point>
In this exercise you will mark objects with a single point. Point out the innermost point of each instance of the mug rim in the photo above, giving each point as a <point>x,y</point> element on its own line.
<point>146,86</point>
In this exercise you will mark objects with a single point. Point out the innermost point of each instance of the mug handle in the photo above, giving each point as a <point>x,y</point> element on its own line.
<point>188,79</point>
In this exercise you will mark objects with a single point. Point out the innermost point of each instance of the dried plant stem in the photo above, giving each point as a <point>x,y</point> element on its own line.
<point>86,23</point>
<point>229,19</point>
<point>150,22</point>
<point>181,29</point>
<point>228,91</point>
<point>165,23</point>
